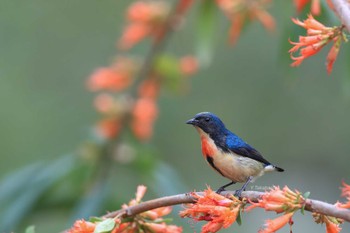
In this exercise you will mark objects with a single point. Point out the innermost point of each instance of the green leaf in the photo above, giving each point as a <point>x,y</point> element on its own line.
<point>239,218</point>
<point>95,219</point>
<point>35,187</point>
<point>30,229</point>
<point>169,69</point>
<point>105,226</point>
<point>206,31</point>
<point>306,195</point>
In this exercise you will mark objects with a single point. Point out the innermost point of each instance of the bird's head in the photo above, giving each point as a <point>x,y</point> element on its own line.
<point>208,122</point>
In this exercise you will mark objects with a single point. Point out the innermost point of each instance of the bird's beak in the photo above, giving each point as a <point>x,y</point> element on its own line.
<point>192,121</point>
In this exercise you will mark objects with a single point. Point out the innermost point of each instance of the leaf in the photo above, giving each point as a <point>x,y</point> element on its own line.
<point>30,229</point>
<point>169,69</point>
<point>95,219</point>
<point>206,31</point>
<point>239,218</point>
<point>105,226</point>
<point>91,202</point>
<point>306,195</point>
<point>33,189</point>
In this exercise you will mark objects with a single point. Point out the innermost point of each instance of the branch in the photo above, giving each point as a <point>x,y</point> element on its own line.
<point>310,205</point>
<point>342,9</point>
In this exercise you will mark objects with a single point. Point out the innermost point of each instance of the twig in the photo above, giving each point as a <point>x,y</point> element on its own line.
<point>342,9</point>
<point>310,205</point>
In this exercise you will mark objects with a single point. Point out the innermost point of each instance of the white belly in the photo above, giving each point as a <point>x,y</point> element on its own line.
<point>237,168</point>
<point>234,167</point>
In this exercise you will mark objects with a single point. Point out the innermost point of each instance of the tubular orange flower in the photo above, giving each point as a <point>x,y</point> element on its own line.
<point>144,114</point>
<point>219,211</point>
<point>183,6</point>
<point>240,11</point>
<point>114,78</point>
<point>157,213</point>
<point>162,228</point>
<point>144,18</point>
<point>345,192</point>
<point>315,6</point>
<point>332,227</point>
<point>108,128</point>
<point>332,223</point>
<point>318,35</point>
<point>188,65</point>
<point>278,200</point>
<point>82,226</point>
<point>149,88</point>
<point>277,223</point>
<point>104,103</point>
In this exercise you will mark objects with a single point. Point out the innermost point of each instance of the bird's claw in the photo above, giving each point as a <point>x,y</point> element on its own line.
<point>238,193</point>
<point>220,190</point>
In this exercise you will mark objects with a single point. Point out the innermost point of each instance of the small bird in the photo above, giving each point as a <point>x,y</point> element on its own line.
<point>228,154</point>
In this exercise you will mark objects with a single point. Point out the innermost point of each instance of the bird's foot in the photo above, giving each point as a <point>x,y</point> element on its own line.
<point>220,190</point>
<point>238,193</point>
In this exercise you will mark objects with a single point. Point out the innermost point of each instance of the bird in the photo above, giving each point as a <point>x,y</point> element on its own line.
<point>228,154</point>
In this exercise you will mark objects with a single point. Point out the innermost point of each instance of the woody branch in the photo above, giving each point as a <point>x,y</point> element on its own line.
<point>310,205</point>
<point>342,8</point>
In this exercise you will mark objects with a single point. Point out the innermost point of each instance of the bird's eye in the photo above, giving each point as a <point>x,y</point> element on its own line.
<point>207,119</point>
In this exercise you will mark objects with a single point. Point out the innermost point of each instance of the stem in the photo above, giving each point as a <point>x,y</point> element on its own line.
<point>342,9</point>
<point>310,205</point>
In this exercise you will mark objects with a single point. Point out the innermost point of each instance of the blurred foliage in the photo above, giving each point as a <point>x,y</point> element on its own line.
<point>297,119</point>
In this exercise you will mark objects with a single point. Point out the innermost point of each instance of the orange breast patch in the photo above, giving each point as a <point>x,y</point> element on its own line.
<point>207,149</point>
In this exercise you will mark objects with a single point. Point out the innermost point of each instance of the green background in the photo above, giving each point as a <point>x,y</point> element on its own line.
<point>298,118</point>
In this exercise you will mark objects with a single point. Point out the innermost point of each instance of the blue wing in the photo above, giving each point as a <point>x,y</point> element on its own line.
<point>236,145</point>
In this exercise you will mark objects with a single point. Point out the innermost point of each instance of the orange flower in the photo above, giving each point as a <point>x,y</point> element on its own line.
<point>82,226</point>
<point>157,213</point>
<point>140,192</point>
<point>345,192</point>
<point>332,227</point>
<point>279,200</point>
<point>108,128</point>
<point>240,11</point>
<point>144,18</point>
<point>144,114</point>
<point>317,37</point>
<point>114,78</point>
<point>188,65</point>
<point>332,223</point>
<point>315,6</point>
<point>104,103</point>
<point>183,6</point>
<point>277,223</point>
<point>149,88</point>
<point>219,211</point>
<point>162,228</point>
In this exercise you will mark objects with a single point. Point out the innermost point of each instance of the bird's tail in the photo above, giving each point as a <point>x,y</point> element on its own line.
<point>271,167</point>
<point>278,169</point>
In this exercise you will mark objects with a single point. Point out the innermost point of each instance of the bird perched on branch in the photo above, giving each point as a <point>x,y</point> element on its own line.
<point>227,153</point>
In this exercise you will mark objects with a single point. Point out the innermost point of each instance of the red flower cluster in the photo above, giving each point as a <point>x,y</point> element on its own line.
<point>219,211</point>
<point>145,18</point>
<point>317,37</point>
<point>279,200</point>
<point>114,78</point>
<point>148,222</point>
<point>240,11</point>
